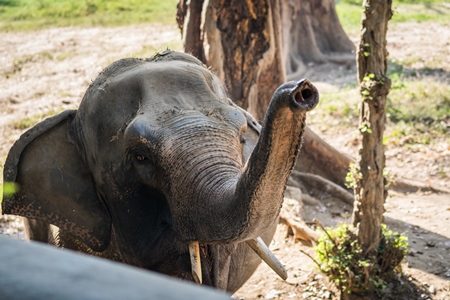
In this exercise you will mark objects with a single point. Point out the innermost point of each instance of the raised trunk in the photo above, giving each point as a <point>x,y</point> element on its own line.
<point>267,171</point>
<point>228,202</point>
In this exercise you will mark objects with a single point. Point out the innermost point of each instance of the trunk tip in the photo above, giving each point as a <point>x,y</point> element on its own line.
<point>306,94</point>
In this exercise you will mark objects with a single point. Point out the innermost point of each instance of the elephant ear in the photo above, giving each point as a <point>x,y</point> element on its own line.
<point>55,185</point>
<point>252,134</point>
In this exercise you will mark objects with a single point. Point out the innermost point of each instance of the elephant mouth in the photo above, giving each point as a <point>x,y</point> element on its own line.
<point>199,252</point>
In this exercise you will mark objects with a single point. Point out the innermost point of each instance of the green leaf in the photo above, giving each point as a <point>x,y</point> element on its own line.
<point>10,188</point>
<point>365,128</point>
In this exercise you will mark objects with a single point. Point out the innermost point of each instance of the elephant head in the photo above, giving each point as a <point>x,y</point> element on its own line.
<point>157,158</point>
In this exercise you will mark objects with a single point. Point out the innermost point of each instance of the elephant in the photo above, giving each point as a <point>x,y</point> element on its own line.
<point>159,169</point>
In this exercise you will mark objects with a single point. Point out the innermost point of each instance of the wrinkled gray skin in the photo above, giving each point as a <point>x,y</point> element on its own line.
<point>156,157</point>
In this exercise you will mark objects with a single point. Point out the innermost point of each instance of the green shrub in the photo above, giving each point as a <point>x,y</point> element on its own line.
<point>341,258</point>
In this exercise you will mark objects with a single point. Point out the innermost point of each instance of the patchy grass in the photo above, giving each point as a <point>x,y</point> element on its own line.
<point>421,12</point>
<point>419,100</point>
<point>414,66</point>
<point>339,108</point>
<point>350,12</point>
<point>418,108</point>
<point>350,16</point>
<point>21,62</point>
<point>28,122</point>
<point>32,14</point>
<point>65,55</point>
<point>417,112</point>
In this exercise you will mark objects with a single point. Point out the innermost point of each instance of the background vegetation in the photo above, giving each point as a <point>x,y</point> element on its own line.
<point>420,105</point>
<point>37,14</point>
<point>349,12</point>
<point>418,111</point>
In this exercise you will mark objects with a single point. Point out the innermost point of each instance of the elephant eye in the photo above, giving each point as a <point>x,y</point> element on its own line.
<point>141,158</point>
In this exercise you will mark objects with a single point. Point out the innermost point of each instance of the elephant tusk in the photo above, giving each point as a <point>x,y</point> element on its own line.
<point>267,256</point>
<point>196,265</point>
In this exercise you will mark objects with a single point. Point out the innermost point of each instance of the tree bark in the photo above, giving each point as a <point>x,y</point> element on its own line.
<point>370,190</point>
<point>312,33</point>
<point>246,36</point>
<point>189,21</point>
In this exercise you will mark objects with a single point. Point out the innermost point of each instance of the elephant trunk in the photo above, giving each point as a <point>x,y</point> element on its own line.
<point>265,176</point>
<point>229,202</point>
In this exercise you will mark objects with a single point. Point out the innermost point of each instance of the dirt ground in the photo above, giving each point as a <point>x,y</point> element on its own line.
<point>49,70</point>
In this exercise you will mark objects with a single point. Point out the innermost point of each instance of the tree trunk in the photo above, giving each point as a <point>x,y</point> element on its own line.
<point>312,33</point>
<point>243,45</point>
<point>192,37</point>
<point>370,190</point>
<point>242,42</point>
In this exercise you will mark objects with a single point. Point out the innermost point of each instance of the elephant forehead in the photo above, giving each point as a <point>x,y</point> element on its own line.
<point>154,86</point>
<point>157,92</point>
<point>180,84</point>
<point>177,88</point>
